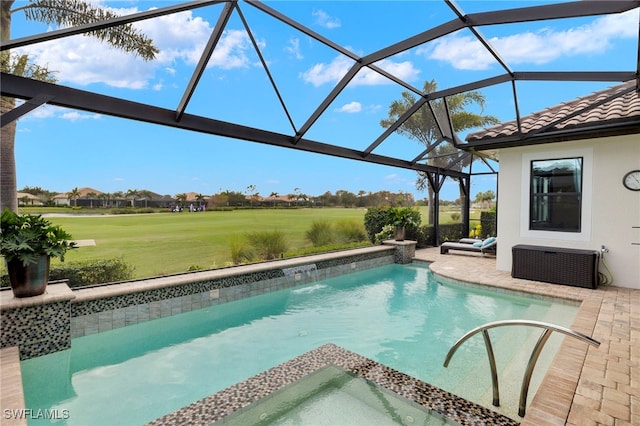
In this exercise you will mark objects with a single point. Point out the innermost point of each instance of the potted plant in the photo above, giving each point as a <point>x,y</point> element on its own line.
<point>27,244</point>
<point>401,218</point>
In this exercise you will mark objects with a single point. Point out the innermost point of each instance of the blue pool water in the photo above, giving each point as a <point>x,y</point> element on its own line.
<point>397,315</point>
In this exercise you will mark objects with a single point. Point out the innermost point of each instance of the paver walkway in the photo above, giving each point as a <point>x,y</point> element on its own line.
<point>585,385</point>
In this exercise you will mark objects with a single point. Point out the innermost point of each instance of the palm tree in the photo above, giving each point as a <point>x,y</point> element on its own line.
<point>274,195</point>
<point>117,196</point>
<point>105,198</point>
<point>181,198</point>
<point>251,192</point>
<point>422,126</point>
<point>61,13</point>
<point>92,196</point>
<point>133,193</point>
<point>75,194</point>
<point>200,200</point>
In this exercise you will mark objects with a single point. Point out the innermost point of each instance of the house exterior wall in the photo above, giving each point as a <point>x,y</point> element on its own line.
<point>610,212</point>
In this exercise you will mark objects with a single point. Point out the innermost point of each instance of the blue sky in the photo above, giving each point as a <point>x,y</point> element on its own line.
<point>60,149</point>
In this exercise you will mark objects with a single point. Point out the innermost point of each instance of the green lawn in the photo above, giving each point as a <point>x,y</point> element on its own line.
<point>166,243</point>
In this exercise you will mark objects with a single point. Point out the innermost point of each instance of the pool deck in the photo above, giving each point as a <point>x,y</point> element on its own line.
<point>585,385</point>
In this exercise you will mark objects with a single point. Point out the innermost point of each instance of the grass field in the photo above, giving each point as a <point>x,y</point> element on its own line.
<point>166,243</point>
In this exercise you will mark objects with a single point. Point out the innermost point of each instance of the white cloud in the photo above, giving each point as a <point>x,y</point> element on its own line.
<point>293,47</point>
<point>321,73</point>
<point>403,70</point>
<point>351,107</point>
<point>543,46</point>
<point>325,20</point>
<point>332,72</point>
<point>43,111</point>
<point>180,37</point>
<point>231,51</point>
<point>74,116</point>
<point>50,111</point>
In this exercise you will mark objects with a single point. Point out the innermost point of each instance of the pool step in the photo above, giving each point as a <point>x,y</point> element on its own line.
<point>473,379</point>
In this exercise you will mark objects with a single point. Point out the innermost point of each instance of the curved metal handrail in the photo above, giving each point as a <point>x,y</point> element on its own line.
<point>548,329</point>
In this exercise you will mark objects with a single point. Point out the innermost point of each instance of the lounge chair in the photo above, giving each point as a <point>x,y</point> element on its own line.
<point>468,244</point>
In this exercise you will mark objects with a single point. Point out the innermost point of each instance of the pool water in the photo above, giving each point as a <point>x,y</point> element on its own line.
<point>330,397</point>
<point>397,315</point>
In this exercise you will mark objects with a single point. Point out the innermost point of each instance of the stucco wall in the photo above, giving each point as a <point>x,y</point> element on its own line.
<point>611,213</point>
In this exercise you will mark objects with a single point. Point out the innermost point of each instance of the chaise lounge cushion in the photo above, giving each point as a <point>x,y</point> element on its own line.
<point>486,246</point>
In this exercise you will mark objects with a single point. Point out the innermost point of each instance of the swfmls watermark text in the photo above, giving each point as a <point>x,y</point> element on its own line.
<point>31,414</point>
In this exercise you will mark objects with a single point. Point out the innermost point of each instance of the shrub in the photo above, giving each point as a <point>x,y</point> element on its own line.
<point>488,220</point>
<point>448,232</point>
<point>455,217</point>
<point>386,233</point>
<point>451,232</point>
<point>350,231</point>
<point>374,220</point>
<point>240,250</point>
<point>425,236</point>
<point>477,232</point>
<point>377,217</point>
<point>90,272</point>
<point>324,249</point>
<point>268,245</point>
<point>321,233</point>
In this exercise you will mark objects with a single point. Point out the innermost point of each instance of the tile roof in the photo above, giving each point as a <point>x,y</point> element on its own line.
<point>584,117</point>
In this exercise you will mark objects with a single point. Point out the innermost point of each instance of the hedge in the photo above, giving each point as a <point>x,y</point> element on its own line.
<point>88,272</point>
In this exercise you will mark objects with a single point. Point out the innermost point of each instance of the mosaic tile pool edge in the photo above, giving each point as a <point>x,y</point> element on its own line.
<point>48,325</point>
<point>99,315</point>
<point>37,330</point>
<point>214,408</point>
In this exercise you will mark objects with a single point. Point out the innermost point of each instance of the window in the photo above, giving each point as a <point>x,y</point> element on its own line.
<point>556,195</point>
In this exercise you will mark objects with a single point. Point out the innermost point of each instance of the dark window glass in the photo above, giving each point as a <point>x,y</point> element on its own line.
<point>556,195</point>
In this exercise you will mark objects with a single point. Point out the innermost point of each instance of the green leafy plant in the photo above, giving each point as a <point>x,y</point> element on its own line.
<point>27,237</point>
<point>404,216</point>
<point>386,233</point>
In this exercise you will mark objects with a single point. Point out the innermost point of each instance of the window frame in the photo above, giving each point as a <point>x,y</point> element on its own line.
<point>555,237</point>
<point>575,196</point>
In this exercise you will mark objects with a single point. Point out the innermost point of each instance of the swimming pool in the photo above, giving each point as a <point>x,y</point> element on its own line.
<point>397,315</point>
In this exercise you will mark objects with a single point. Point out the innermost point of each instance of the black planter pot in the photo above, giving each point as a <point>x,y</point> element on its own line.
<point>30,280</point>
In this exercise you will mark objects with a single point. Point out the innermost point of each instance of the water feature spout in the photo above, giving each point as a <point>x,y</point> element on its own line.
<point>307,272</point>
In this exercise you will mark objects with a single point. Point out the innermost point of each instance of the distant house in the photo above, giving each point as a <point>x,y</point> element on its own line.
<point>93,198</point>
<point>24,198</point>
<point>84,200</point>
<point>561,179</point>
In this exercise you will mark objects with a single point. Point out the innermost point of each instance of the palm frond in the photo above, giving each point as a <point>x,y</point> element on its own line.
<point>70,13</point>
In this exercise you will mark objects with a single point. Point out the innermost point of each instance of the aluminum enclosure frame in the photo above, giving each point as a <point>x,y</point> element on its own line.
<point>36,93</point>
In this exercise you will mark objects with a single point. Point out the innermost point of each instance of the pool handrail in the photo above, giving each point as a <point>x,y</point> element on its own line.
<point>537,349</point>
